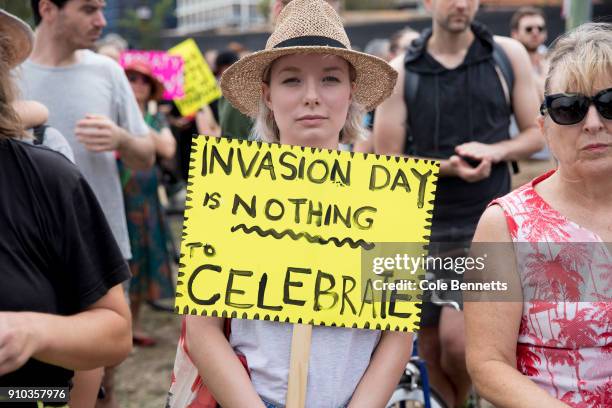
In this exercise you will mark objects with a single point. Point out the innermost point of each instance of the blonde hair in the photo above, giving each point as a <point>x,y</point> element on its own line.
<point>581,57</point>
<point>10,122</point>
<point>265,128</point>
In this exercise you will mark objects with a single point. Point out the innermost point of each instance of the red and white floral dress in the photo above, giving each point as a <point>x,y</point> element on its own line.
<point>565,335</point>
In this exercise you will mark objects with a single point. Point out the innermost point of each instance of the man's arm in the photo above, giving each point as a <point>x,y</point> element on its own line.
<point>137,152</point>
<point>391,117</point>
<point>100,134</point>
<point>124,129</point>
<point>364,145</point>
<point>165,143</point>
<point>525,100</point>
<point>390,132</point>
<point>526,103</point>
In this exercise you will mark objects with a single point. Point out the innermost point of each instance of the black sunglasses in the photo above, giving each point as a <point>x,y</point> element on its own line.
<point>569,109</point>
<point>135,76</point>
<point>540,29</point>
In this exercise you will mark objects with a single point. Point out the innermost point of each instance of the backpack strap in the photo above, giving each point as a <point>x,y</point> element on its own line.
<point>39,134</point>
<point>411,86</point>
<point>503,66</point>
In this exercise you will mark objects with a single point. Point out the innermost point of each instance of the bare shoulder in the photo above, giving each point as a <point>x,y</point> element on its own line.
<point>514,50</point>
<point>397,64</point>
<point>510,45</point>
<point>391,114</point>
<point>492,226</point>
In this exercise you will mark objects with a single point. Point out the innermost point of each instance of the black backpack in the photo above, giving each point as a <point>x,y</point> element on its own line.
<point>39,134</point>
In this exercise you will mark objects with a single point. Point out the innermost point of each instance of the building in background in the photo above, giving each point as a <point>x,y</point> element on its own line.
<point>198,16</point>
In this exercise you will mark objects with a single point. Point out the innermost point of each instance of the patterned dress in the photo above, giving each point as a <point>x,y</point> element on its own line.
<point>565,335</point>
<point>147,227</point>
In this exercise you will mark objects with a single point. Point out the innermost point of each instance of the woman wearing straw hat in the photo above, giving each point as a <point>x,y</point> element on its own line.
<point>150,263</point>
<point>17,46</point>
<point>32,114</point>
<point>307,88</point>
<point>61,303</point>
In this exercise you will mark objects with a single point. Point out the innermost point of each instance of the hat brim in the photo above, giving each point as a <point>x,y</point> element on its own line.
<point>241,83</point>
<point>157,92</point>
<point>21,38</point>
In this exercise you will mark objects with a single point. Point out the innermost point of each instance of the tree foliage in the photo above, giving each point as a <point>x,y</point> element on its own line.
<point>264,8</point>
<point>19,8</point>
<point>367,4</point>
<point>145,34</point>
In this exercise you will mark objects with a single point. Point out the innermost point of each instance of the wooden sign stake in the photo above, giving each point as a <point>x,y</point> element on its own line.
<point>298,366</point>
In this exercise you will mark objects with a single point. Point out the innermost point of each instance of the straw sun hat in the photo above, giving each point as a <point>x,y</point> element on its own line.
<point>303,27</point>
<point>21,39</point>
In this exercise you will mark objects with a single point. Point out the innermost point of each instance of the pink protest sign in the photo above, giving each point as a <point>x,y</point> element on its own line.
<point>167,68</point>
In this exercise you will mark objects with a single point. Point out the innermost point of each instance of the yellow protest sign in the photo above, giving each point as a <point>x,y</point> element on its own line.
<point>277,232</point>
<point>199,83</point>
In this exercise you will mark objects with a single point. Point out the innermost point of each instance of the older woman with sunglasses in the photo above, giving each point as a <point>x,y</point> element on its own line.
<point>552,349</point>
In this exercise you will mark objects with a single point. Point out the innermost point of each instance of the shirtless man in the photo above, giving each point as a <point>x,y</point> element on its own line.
<point>529,28</point>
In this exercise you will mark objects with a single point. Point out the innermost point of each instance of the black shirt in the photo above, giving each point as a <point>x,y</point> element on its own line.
<point>57,252</point>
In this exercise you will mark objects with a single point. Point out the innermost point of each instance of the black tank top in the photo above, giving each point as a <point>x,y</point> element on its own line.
<point>456,106</point>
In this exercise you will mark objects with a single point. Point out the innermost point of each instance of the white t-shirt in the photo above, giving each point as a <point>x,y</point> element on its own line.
<point>94,85</point>
<point>338,359</point>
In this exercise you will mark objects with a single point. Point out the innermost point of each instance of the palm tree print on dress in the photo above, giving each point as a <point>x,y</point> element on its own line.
<point>564,342</point>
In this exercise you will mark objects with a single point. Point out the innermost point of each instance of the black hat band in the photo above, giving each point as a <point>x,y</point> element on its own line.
<point>309,41</point>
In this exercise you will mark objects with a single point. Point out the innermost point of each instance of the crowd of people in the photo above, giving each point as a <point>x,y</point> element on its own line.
<point>523,135</point>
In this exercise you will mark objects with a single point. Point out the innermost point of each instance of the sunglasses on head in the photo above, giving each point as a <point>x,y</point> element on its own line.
<point>569,109</point>
<point>537,28</point>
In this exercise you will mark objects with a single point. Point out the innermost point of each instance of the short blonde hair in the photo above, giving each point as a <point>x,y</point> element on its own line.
<point>581,57</point>
<point>265,128</point>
